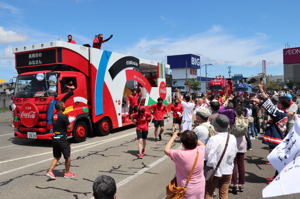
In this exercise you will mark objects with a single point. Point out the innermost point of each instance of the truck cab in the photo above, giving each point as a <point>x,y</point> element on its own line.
<point>35,96</point>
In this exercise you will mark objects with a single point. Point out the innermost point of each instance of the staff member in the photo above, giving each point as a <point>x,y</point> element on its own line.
<point>133,102</point>
<point>177,110</point>
<point>60,143</point>
<point>141,120</point>
<point>158,111</point>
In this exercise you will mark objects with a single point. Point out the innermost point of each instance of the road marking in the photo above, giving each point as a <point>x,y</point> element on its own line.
<point>142,171</point>
<point>75,147</point>
<point>6,134</point>
<point>3,147</point>
<point>75,151</point>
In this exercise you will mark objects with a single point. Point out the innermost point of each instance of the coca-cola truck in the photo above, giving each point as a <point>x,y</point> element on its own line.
<point>220,85</point>
<point>102,82</point>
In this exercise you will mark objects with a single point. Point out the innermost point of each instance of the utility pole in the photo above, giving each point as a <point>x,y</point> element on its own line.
<point>229,71</point>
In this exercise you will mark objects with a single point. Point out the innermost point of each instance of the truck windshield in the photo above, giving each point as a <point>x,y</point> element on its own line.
<point>36,85</point>
<point>216,88</point>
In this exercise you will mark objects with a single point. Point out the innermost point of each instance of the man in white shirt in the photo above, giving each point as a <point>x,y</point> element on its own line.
<point>187,115</point>
<point>213,152</point>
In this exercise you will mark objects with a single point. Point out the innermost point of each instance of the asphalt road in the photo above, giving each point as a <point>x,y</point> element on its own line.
<point>24,163</point>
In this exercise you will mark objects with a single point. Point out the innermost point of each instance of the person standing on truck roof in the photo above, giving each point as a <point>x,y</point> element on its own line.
<point>133,101</point>
<point>60,143</point>
<point>158,111</point>
<point>70,39</point>
<point>98,41</point>
<point>141,120</point>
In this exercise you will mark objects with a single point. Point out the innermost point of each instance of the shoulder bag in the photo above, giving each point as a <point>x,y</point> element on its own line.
<point>175,192</point>
<point>209,172</point>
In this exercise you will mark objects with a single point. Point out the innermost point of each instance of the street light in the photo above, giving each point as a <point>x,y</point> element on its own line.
<point>205,65</point>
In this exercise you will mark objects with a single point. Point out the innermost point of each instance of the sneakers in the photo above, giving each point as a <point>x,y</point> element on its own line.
<point>143,151</point>
<point>141,156</point>
<point>267,163</point>
<point>51,175</point>
<point>234,190</point>
<point>69,175</point>
<point>241,188</point>
<point>159,137</point>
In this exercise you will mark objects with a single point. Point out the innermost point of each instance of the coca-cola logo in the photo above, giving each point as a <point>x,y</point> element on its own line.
<point>29,115</point>
<point>163,90</point>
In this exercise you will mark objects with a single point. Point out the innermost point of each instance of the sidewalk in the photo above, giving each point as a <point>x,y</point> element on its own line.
<point>257,172</point>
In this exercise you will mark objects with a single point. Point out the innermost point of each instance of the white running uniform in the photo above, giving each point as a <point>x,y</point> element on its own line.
<point>187,115</point>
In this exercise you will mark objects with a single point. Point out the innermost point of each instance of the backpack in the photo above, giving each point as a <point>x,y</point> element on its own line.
<point>240,126</point>
<point>211,129</point>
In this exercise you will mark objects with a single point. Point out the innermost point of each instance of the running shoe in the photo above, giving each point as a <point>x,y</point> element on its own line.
<point>270,179</point>
<point>241,188</point>
<point>159,136</point>
<point>234,190</point>
<point>141,156</point>
<point>267,162</point>
<point>51,175</point>
<point>143,151</point>
<point>69,175</point>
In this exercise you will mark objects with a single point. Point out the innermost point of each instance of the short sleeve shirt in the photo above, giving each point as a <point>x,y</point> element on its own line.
<point>133,100</point>
<point>187,110</point>
<point>60,125</point>
<point>142,121</point>
<point>177,109</point>
<point>159,111</point>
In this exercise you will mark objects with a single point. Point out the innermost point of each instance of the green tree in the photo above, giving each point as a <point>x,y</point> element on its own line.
<point>271,85</point>
<point>193,84</point>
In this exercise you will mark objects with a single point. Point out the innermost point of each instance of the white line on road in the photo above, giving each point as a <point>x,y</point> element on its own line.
<point>75,151</point>
<point>3,147</point>
<point>75,147</point>
<point>142,171</point>
<point>6,134</point>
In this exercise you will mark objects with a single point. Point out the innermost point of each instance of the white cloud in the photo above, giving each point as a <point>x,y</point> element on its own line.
<point>215,29</point>
<point>215,46</point>
<point>9,36</point>
<point>12,9</point>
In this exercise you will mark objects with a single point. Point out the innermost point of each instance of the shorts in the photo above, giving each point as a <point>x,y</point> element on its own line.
<point>158,123</point>
<point>177,121</point>
<point>141,134</point>
<point>61,147</point>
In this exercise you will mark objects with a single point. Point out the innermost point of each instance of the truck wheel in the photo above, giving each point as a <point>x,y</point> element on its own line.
<point>80,131</point>
<point>104,127</point>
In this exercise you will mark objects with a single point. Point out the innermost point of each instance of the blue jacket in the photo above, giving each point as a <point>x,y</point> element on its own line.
<point>276,127</point>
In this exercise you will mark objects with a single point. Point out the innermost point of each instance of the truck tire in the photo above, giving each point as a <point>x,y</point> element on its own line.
<point>80,131</point>
<point>104,127</point>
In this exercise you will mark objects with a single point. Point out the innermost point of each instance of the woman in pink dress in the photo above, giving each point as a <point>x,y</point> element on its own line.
<point>184,160</point>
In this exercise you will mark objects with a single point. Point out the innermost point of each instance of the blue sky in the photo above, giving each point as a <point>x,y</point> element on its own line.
<point>232,32</point>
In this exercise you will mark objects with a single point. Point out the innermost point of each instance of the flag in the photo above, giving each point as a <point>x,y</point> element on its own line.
<point>287,181</point>
<point>288,149</point>
<point>285,158</point>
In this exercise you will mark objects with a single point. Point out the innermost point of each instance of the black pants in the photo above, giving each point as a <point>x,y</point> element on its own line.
<point>249,143</point>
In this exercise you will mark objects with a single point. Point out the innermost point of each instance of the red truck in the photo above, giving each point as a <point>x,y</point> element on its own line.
<point>101,81</point>
<point>219,85</point>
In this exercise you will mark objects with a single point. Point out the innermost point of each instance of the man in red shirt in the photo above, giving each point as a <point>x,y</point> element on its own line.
<point>158,111</point>
<point>70,39</point>
<point>177,110</point>
<point>98,41</point>
<point>141,120</point>
<point>133,102</point>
